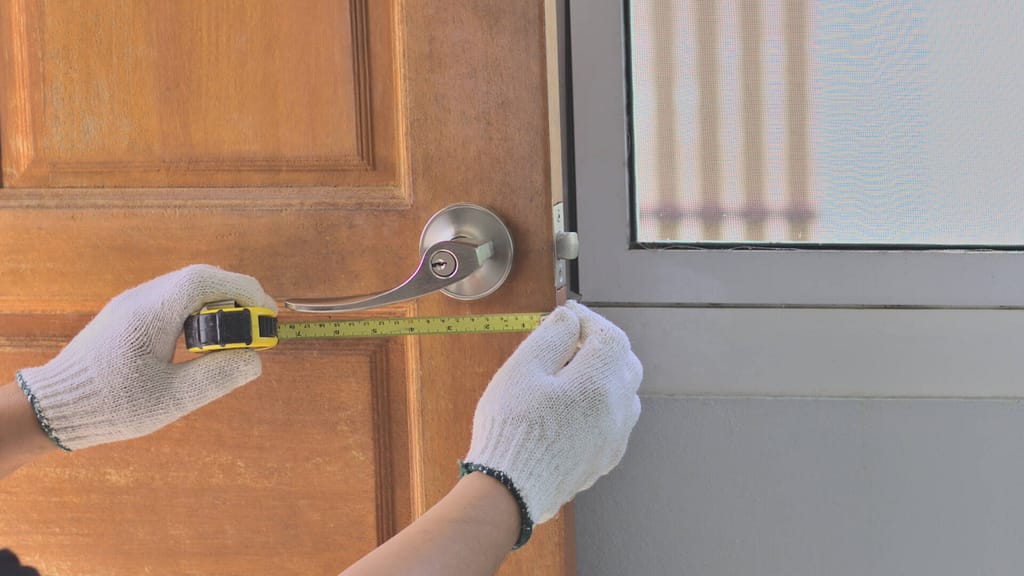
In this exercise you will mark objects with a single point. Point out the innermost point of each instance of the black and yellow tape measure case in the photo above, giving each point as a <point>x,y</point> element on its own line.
<point>226,326</point>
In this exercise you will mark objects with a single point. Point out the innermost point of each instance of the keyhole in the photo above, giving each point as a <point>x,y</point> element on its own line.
<point>443,264</point>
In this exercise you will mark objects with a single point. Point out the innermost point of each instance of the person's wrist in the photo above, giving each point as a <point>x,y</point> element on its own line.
<point>498,479</point>
<point>23,433</point>
<point>494,504</point>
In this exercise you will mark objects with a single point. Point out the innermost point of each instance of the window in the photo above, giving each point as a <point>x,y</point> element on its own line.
<point>890,122</point>
<point>882,173</point>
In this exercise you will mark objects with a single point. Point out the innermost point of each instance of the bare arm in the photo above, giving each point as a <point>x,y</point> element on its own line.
<point>468,532</point>
<point>21,437</point>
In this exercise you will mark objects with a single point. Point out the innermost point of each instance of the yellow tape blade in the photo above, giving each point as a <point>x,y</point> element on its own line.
<point>380,327</point>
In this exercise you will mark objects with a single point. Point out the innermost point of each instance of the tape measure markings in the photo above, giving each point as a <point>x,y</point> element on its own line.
<point>376,327</point>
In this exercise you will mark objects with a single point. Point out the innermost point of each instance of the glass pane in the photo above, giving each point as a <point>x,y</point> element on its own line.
<point>828,121</point>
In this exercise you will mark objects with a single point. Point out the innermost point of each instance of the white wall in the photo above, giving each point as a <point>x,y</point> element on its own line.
<point>803,486</point>
<point>816,441</point>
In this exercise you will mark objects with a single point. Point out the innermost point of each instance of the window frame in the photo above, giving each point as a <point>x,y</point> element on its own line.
<point>614,270</point>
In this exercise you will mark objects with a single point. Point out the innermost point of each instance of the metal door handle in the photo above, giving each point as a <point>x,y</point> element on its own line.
<point>465,252</point>
<point>445,263</point>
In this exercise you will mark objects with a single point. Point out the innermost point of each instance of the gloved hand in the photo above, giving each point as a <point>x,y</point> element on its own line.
<point>116,381</point>
<point>557,415</point>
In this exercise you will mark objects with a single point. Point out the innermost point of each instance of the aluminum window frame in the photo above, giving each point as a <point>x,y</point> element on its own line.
<point>613,270</point>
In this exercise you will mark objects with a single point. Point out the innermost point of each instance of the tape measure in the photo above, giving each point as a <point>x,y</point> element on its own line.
<point>226,326</point>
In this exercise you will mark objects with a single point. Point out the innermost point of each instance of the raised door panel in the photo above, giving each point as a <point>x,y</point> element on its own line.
<point>196,93</point>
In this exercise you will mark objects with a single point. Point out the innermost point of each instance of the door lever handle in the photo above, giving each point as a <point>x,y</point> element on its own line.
<point>442,265</point>
<point>465,252</point>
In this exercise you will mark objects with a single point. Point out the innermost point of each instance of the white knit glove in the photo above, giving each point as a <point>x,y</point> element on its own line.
<point>557,415</point>
<point>116,379</point>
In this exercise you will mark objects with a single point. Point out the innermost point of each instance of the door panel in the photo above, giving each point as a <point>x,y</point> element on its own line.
<point>305,144</point>
<point>194,93</point>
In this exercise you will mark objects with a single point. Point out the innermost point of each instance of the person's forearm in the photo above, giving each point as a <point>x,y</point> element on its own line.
<point>21,437</point>
<point>468,532</point>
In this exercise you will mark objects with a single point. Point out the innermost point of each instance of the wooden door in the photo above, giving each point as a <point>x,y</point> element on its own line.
<point>305,143</point>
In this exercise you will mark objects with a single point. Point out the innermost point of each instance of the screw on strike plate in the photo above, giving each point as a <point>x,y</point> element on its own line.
<point>443,264</point>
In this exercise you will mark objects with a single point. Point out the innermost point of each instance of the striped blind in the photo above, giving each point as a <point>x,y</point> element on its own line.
<point>892,122</point>
<point>721,117</point>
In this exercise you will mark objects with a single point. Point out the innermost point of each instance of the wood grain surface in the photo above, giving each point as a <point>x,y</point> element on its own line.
<point>304,143</point>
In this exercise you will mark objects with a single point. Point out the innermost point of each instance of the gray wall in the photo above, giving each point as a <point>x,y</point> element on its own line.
<point>806,486</point>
